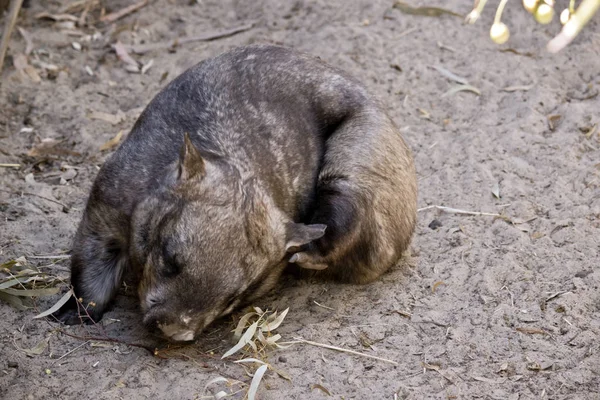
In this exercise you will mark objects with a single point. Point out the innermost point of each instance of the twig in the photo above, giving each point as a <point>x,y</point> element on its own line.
<point>555,295</point>
<point>11,18</point>
<point>2,165</point>
<point>71,351</point>
<point>50,257</point>
<point>108,339</point>
<point>325,307</point>
<point>28,41</point>
<point>407,32</point>
<point>36,195</point>
<point>144,48</point>
<point>327,346</point>
<point>450,210</point>
<point>84,13</point>
<point>112,17</point>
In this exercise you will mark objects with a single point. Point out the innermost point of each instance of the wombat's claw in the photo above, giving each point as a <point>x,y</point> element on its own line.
<point>303,260</point>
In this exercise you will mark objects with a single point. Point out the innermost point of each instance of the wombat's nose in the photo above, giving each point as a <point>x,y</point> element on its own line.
<point>183,336</point>
<point>177,333</point>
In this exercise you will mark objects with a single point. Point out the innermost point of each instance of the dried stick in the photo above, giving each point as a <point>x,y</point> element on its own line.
<point>11,19</point>
<point>112,17</point>
<point>21,193</point>
<point>327,346</point>
<point>144,48</point>
<point>450,210</point>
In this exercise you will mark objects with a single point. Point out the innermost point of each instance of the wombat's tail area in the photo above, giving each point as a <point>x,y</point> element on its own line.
<point>98,261</point>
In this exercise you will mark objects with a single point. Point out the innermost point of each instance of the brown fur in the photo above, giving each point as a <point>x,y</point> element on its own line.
<point>246,161</point>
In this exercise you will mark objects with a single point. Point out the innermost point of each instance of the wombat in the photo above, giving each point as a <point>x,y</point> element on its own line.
<point>246,162</point>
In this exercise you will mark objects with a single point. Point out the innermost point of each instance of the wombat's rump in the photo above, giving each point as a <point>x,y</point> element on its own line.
<point>246,161</point>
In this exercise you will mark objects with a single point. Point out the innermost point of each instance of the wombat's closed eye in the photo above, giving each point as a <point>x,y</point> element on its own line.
<point>171,265</point>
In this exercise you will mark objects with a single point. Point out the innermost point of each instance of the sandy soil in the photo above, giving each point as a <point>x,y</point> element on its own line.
<point>484,308</point>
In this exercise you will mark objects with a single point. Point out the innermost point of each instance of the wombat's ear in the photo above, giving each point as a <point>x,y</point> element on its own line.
<point>298,235</point>
<point>191,163</point>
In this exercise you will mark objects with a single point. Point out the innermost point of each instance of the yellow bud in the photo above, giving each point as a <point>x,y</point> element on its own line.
<point>499,33</point>
<point>565,15</point>
<point>544,14</point>
<point>530,5</point>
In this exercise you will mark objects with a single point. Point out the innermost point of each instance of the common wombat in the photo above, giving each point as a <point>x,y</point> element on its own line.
<point>245,162</point>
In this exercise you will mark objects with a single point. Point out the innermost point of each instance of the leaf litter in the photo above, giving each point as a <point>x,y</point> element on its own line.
<point>19,282</point>
<point>463,83</point>
<point>254,334</point>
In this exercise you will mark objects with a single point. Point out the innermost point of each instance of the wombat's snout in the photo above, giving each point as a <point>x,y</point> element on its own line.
<point>176,328</point>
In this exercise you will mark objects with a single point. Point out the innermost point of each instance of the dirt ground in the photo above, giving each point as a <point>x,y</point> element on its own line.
<point>486,307</point>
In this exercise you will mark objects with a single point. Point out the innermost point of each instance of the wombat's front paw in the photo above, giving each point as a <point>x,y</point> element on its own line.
<point>72,313</point>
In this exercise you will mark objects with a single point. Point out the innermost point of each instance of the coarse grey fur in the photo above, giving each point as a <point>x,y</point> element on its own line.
<point>247,161</point>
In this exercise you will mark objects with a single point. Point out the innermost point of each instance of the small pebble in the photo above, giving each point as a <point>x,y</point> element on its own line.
<point>282,359</point>
<point>12,364</point>
<point>435,224</point>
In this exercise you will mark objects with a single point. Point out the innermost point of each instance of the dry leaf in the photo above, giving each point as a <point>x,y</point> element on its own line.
<point>424,114</point>
<point>57,17</point>
<point>69,174</point>
<point>523,88</point>
<point>496,190</point>
<point>321,388</point>
<point>553,121</point>
<point>37,350</point>
<point>402,313</point>
<point>432,367</point>
<point>532,331</point>
<point>244,340</point>
<point>56,306</point>
<point>435,286</point>
<point>13,301</point>
<point>49,147</point>
<point>273,323</point>
<point>488,380</point>
<point>256,381</point>
<point>112,17</point>
<point>28,40</point>
<point>124,55</point>
<point>237,334</point>
<point>450,75</point>
<point>49,291</point>
<point>21,64</point>
<point>461,88</point>
<point>30,179</point>
<point>113,119</point>
<point>147,66</point>
<point>424,11</point>
<point>112,143</point>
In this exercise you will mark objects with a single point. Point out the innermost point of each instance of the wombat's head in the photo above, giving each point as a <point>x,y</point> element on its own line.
<point>207,243</point>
